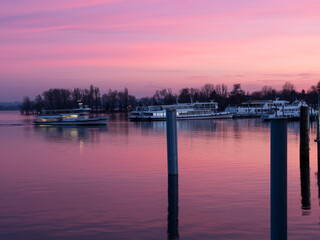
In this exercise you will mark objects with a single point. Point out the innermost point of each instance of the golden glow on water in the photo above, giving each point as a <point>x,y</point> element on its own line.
<point>81,146</point>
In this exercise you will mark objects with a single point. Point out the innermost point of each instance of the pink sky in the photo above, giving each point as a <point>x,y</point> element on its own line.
<point>147,45</point>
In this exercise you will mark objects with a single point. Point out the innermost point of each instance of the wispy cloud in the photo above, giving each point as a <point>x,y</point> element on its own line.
<point>159,43</point>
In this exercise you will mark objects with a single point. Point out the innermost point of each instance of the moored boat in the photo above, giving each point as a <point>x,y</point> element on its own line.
<point>285,109</point>
<point>78,116</point>
<point>250,109</point>
<point>269,109</point>
<point>188,111</point>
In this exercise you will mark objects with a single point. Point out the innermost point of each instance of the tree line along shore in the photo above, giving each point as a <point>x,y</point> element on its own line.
<point>122,101</point>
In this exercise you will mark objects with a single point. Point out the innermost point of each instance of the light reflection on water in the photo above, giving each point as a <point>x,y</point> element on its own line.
<point>111,182</point>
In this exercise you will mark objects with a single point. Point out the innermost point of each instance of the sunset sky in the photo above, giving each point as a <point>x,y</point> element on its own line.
<point>146,45</point>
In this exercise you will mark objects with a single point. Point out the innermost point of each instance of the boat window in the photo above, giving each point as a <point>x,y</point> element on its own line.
<point>71,116</point>
<point>48,120</point>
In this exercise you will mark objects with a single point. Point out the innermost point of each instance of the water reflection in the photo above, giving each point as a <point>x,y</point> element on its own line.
<point>173,208</point>
<point>114,190</point>
<point>206,126</point>
<point>67,133</point>
<point>304,167</point>
<point>146,127</point>
<point>318,173</point>
<point>118,117</point>
<point>305,186</point>
<point>118,124</point>
<point>236,131</point>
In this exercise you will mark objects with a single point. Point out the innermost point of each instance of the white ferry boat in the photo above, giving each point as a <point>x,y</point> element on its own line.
<point>188,111</point>
<point>254,108</point>
<point>78,116</point>
<point>285,109</point>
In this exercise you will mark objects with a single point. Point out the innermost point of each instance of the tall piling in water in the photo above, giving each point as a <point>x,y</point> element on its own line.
<point>278,179</point>
<point>172,139</point>
<point>304,133</point>
<point>318,118</point>
<point>304,158</point>
<point>173,207</point>
<point>318,154</point>
<point>318,136</point>
<point>318,142</point>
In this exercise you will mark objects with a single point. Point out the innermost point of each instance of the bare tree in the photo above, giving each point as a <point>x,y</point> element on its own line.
<point>267,92</point>
<point>26,106</point>
<point>207,90</point>
<point>288,91</point>
<point>185,96</point>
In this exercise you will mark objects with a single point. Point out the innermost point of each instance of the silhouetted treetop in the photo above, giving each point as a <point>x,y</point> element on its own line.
<point>115,100</point>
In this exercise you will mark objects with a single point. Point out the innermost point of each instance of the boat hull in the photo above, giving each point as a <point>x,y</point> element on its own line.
<point>295,118</point>
<point>75,123</point>
<point>215,116</point>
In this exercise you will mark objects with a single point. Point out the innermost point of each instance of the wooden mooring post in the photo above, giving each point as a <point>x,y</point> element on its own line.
<point>172,152</point>
<point>304,158</point>
<point>172,141</point>
<point>317,140</point>
<point>173,207</point>
<point>304,134</point>
<point>278,179</point>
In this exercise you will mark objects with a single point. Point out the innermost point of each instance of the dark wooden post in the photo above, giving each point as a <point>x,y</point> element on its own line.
<point>304,133</point>
<point>173,207</point>
<point>172,139</point>
<point>278,179</point>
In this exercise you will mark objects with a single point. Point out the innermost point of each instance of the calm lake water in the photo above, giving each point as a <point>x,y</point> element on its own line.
<point>111,182</point>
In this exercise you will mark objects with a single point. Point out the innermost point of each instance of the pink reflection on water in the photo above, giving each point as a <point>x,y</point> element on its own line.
<point>98,183</point>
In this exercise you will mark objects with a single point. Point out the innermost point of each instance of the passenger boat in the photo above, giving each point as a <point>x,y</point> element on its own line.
<point>188,111</point>
<point>269,109</point>
<point>253,108</point>
<point>78,116</point>
<point>285,109</point>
